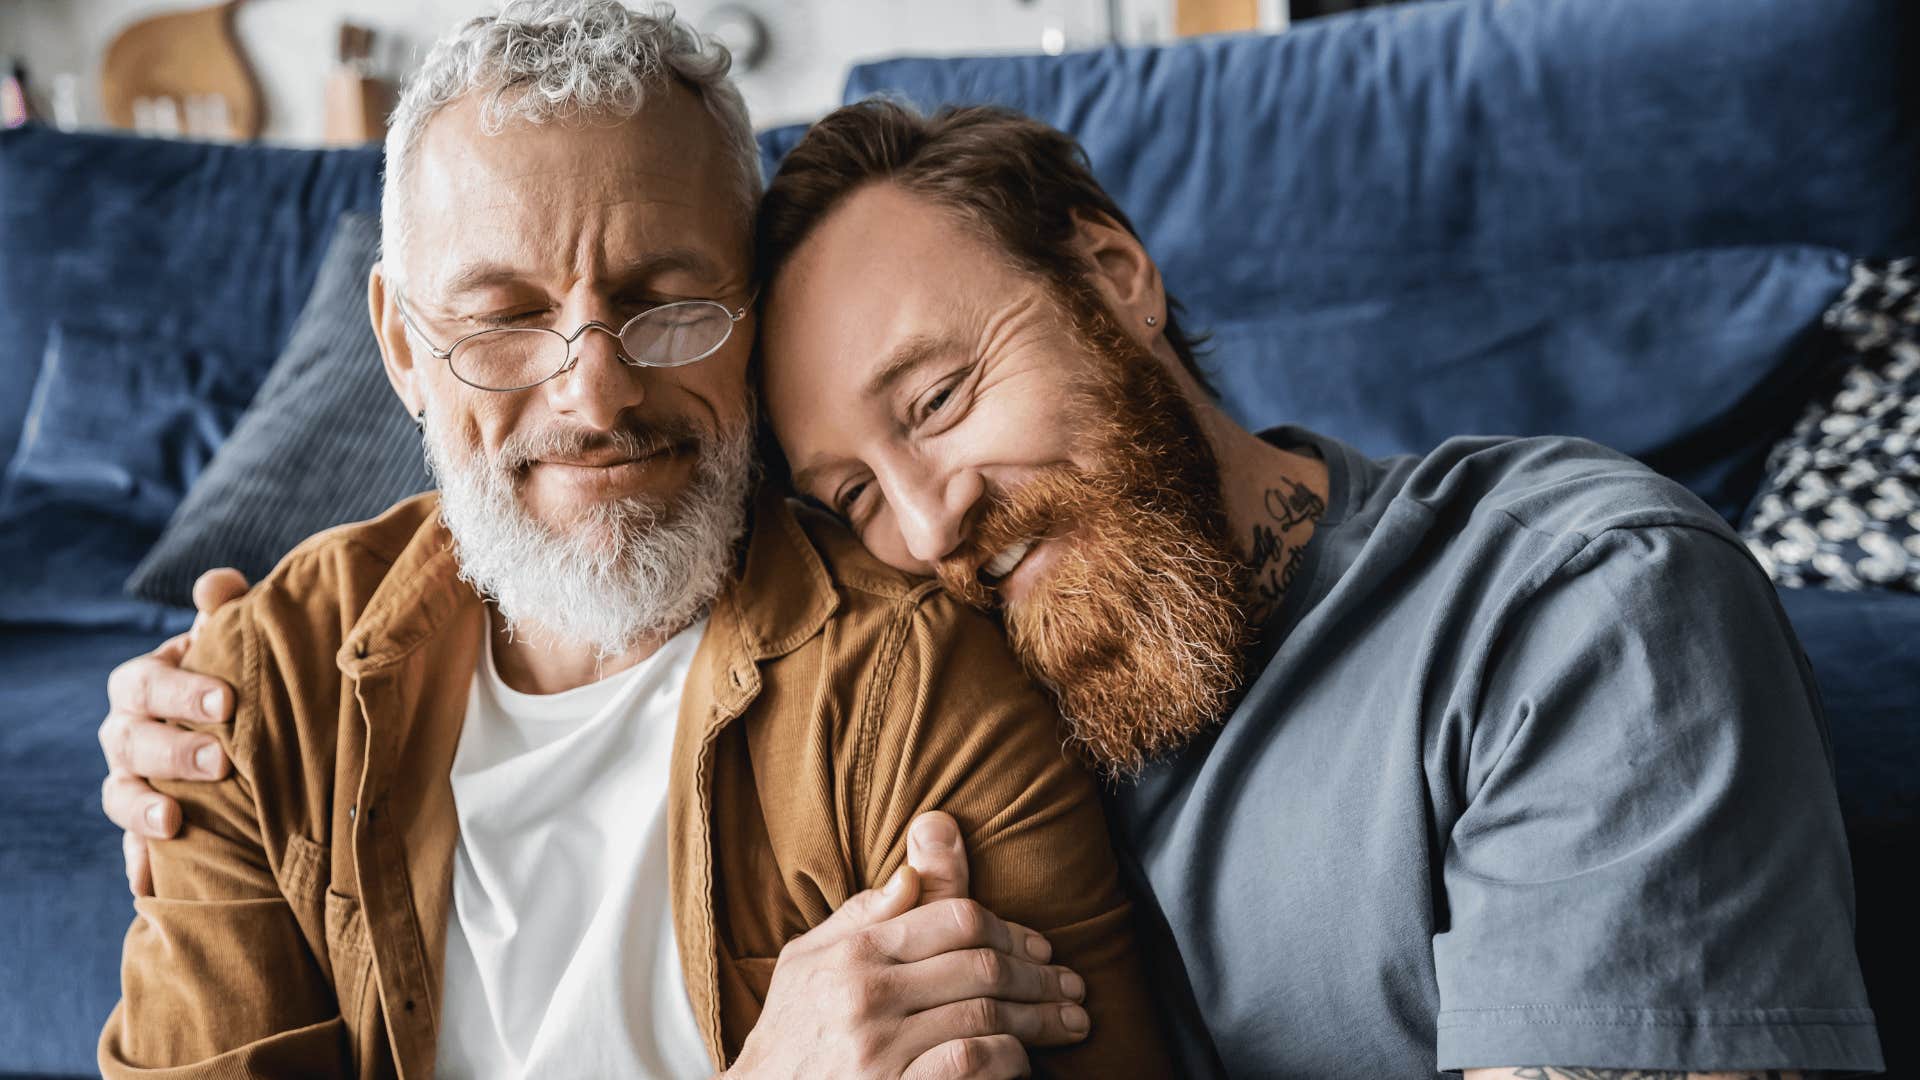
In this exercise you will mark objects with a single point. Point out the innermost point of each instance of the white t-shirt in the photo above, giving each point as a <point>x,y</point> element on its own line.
<point>561,960</point>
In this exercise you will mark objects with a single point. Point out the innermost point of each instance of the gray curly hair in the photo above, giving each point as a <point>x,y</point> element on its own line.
<point>545,61</point>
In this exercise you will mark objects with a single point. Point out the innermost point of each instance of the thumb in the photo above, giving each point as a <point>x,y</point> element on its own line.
<point>936,852</point>
<point>874,906</point>
<point>214,589</point>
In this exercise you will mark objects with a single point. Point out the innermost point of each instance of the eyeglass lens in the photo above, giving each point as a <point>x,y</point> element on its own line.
<point>670,335</point>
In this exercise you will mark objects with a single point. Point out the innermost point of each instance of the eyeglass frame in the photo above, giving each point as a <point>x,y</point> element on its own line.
<point>733,319</point>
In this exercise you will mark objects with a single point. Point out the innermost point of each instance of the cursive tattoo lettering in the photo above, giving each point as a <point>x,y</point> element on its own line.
<point>1280,544</point>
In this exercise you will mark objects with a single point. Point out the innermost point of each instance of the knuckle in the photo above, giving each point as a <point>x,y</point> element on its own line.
<point>127,688</point>
<point>125,745</point>
<point>868,946</point>
<point>116,737</point>
<point>869,1049</point>
<point>179,757</point>
<point>861,997</point>
<point>965,1057</point>
<point>981,1015</point>
<point>968,917</point>
<point>990,966</point>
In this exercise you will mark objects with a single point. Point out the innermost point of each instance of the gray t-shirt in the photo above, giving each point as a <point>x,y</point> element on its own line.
<point>1535,774</point>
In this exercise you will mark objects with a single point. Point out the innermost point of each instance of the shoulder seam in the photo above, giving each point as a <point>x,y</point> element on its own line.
<point>879,695</point>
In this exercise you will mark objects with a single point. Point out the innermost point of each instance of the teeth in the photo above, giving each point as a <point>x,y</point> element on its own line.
<point>1002,564</point>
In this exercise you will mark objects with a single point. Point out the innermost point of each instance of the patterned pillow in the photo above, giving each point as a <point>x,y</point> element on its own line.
<point>1840,507</point>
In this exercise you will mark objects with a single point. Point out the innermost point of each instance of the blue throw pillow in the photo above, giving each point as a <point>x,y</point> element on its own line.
<point>116,432</point>
<point>124,426</point>
<point>325,442</point>
<point>211,247</point>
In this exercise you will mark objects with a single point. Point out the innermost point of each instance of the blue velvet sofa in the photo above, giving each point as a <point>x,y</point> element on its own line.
<point>1612,218</point>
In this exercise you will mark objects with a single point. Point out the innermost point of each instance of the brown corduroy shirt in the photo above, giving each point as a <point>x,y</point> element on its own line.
<point>298,922</point>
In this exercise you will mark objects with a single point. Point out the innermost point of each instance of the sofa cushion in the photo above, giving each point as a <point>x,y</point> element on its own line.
<point>1653,356</point>
<point>1865,649</point>
<point>210,247</point>
<point>124,424</point>
<point>325,441</point>
<point>116,432</point>
<point>64,907</point>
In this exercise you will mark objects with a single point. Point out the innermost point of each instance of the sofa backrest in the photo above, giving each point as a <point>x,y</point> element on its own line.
<point>1613,218</point>
<point>198,246</point>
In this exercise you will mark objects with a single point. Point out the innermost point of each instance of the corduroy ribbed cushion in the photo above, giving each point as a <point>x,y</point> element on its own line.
<point>325,441</point>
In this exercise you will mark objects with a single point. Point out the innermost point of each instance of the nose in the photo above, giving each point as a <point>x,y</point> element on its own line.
<point>931,507</point>
<point>598,385</point>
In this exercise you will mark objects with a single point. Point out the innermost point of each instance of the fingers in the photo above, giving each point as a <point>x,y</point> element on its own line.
<point>156,751</point>
<point>870,908</point>
<point>984,973</point>
<point>949,925</point>
<point>154,685</point>
<point>215,588</point>
<point>139,871</point>
<point>137,808</point>
<point>989,1057</point>
<point>936,852</point>
<point>1050,1024</point>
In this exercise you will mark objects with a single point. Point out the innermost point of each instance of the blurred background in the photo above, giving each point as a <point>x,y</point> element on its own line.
<point>792,56</point>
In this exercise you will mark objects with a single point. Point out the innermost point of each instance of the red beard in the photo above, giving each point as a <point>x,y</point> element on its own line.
<point>1138,628</point>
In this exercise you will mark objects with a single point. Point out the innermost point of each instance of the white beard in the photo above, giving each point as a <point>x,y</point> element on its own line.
<point>622,572</point>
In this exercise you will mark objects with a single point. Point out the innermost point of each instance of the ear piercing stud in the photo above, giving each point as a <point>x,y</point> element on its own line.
<point>1153,320</point>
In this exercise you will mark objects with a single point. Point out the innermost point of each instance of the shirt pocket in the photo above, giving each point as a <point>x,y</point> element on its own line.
<point>757,973</point>
<point>352,955</point>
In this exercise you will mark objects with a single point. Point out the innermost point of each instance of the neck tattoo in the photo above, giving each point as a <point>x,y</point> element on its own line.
<point>1280,545</point>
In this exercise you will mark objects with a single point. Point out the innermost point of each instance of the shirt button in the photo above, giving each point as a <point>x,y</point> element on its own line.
<point>409,1005</point>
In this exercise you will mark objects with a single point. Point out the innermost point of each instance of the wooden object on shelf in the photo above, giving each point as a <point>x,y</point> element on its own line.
<point>357,107</point>
<point>1193,17</point>
<point>182,56</point>
<point>357,103</point>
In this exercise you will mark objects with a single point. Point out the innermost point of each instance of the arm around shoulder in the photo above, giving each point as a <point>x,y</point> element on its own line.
<point>218,977</point>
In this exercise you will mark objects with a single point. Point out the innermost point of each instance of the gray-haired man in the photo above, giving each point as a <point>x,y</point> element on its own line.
<point>547,773</point>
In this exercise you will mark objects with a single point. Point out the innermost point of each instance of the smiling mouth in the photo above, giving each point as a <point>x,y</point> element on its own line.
<point>613,460</point>
<point>996,569</point>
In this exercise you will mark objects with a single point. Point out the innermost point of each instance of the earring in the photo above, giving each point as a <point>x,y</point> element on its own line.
<point>1153,320</point>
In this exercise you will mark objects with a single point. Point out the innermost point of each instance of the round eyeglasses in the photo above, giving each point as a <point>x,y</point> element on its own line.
<point>511,358</point>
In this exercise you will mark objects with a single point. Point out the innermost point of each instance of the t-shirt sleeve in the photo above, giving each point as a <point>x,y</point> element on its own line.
<point>1649,868</point>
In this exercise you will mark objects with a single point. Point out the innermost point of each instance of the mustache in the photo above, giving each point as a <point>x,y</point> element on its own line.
<point>634,440</point>
<point>1033,511</point>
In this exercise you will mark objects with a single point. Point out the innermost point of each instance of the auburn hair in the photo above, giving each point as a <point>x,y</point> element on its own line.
<point>1019,181</point>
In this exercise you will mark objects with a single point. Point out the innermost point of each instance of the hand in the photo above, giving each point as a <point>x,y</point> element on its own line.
<point>142,694</point>
<point>884,989</point>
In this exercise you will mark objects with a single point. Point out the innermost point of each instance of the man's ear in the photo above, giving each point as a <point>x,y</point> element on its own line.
<point>396,352</point>
<point>1122,269</point>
